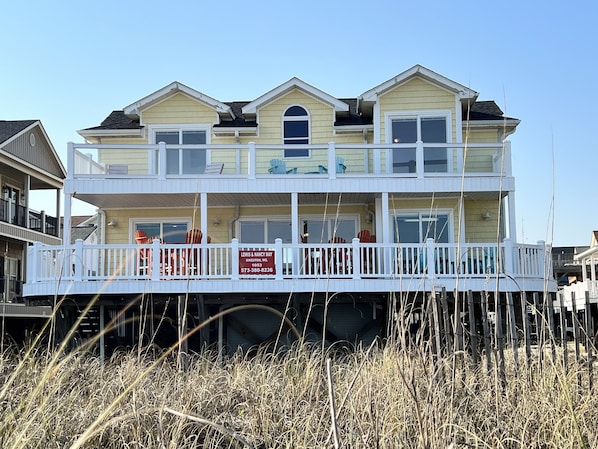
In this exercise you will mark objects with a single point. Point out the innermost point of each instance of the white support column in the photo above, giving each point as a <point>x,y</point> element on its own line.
<point>161,161</point>
<point>234,260</point>
<point>203,206</point>
<point>278,258</point>
<point>419,159</point>
<point>66,230</point>
<point>386,234</point>
<point>331,160</point>
<point>251,161</point>
<point>295,231</point>
<point>512,219</point>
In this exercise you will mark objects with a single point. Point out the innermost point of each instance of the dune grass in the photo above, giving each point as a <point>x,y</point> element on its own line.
<point>383,397</point>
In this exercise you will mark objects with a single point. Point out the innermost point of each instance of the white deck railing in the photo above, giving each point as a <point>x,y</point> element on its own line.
<point>234,261</point>
<point>88,161</point>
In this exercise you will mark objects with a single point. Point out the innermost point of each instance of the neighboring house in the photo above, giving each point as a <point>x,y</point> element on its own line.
<point>581,296</point>
<point>28,163</point>
<point>338,211</point>
<point>565,267</point>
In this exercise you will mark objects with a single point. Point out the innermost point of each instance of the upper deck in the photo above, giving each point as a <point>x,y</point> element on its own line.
<point>119,175</point>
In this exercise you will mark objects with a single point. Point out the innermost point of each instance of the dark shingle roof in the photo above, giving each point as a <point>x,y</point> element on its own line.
<point>480,110</point>
<point>117,120</point>
<point>485,110</point>
<point>9,128</point>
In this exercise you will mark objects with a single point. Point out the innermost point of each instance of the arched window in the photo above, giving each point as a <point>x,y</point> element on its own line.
<point>296,131</point>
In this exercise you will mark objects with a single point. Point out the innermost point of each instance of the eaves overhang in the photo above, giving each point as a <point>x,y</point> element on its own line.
<point>354,129</point>
<point>508,124</point>
<point>234,130</point>
<point>134,109</point>
<point>294,83</point>
<point>90,134</point>
<point>463,93</point>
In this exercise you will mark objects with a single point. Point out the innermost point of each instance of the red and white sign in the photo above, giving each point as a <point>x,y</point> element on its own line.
<point>257,262</point>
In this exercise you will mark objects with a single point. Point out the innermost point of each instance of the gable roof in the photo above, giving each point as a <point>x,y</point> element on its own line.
<point>10,130</point>
<point>134,109</point>
<point>463,92</point>
<point>294,83</point>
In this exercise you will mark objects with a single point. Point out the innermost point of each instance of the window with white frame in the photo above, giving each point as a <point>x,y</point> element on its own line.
<point>416,227</point>
<point>181,161</point>
<point>324,231</point>
<point>262,230</point>
<point>167,230</point>
<point>295,126</point>
<point>426,127</point>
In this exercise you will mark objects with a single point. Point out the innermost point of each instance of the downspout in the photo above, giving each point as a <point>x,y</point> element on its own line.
<point>232,221</point>
<point>101,222</point>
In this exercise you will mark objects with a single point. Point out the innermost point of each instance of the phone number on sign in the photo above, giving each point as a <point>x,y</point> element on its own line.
<point>254,270</point>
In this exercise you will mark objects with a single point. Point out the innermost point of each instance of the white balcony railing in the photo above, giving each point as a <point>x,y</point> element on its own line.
<point>235,261</point>
<point>160,161</point>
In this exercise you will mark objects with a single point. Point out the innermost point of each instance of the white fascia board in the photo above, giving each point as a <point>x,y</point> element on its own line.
<point>110,132</point>
<point>251,108</point>
<point>353,128</point>
<point>462,91</point>
<point>245,130</point>
<point>587,253</point>
<point>492,123</point>
<point>149,100</point>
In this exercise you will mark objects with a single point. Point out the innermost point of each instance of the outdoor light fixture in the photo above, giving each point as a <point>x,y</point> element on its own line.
<point>486,215</point>
<point>112,223</point>
<point>217,221</point>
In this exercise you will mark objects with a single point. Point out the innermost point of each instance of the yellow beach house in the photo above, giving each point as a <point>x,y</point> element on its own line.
<point>332,211</point>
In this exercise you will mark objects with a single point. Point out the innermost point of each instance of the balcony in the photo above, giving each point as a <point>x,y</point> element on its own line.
<point>29,219</point>
<point>160,161</point>
<point>236,267</point>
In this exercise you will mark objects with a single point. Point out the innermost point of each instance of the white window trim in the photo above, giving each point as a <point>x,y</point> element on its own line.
<point>444,211</point>
<point>161,220</point>
<point>340,217</point>
<point>182,127</point>
<point>260,218</point>
<point>417,114</point>
<point>296,119</point>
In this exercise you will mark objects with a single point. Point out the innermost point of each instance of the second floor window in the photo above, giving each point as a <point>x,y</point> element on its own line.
<point>424,128</point>
<point>181,161</point>
<point>296,131</point>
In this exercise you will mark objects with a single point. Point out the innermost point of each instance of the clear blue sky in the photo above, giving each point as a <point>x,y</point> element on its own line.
<point>70,63</point>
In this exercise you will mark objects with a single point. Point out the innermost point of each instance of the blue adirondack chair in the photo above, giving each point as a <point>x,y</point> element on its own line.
<point>340,166</point>
<point>279,167</point>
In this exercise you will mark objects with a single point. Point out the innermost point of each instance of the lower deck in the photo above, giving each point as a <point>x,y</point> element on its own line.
<point>364,268</point>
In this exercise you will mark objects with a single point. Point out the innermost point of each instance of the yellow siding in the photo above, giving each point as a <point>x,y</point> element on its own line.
<point>480,160</point>
<point>397,206</point>
<point>321,117</point>
<point>416,95</point>
<point>179,109</point>
<point>478,229</point>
